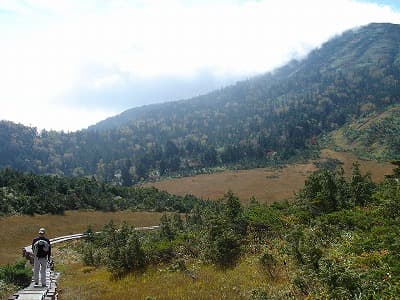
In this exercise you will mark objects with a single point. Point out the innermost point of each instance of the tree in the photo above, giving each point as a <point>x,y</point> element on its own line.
<point>171,149</point>
<point>166,230</point>
<point>124,251</point>
<point>361,186</point>
<point>209,157</point>
<point>142,168</point>
<point>222,245</point>
<point>320,192</point>
<point>234,213</point>
<point>388,193</point>
<point>126,174</point>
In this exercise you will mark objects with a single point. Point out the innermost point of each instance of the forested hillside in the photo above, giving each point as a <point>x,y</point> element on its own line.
<point>40,194</point>
<point>273,117</point>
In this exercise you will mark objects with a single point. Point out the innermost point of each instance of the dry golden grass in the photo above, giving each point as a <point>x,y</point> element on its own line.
<point>265,184</point>
<point>18,231</point>
<point>79,282</point>
<point>378,170</point>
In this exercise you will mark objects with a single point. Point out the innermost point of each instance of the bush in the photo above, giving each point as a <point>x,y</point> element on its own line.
<point>126,254</point>
<point>268,263</point>
<point>92,255</point>
<point>264,220</point>
<point>159,251</point>
<point>259,294</point>
<point>17,274</point>
<point>301,283</point>
<point>6,290</point>
<point>222,245</point>
<point>342,282</point>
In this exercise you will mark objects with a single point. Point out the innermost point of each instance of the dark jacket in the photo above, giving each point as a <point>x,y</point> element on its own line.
<point>42,253</point>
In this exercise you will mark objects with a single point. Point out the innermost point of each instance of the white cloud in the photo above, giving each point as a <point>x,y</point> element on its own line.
<point>46,45</point>
<point>56,117</point>
<point>107,81</point>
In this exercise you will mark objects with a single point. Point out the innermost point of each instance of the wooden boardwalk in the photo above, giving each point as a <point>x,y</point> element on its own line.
<point>49,292</point>
<point>43,293</point>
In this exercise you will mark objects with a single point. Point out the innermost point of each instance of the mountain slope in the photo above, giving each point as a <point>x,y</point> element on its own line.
<point>374,48</point>
<point>374,137</point>
<point>272,117</point>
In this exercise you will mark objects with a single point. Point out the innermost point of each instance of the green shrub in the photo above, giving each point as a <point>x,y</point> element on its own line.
<point>6,289</point>
<point>87,255</point>
<point>93,255</point>
<point>259,294</point>
<point>126,254</point>
<point>342,282</point>
<point>159,251</point>
<point>17,274</point>
<point>268,263</point>
<point>264,220</point>
<point>221,245</point>
<point>301,283</point>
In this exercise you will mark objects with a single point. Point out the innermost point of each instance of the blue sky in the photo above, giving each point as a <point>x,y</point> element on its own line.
<point>395,4</point>
<point>67,64</point>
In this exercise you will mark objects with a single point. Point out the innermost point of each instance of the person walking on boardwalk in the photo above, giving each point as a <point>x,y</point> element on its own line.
<point>41,249</point>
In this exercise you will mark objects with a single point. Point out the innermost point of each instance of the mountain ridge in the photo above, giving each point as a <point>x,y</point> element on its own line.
<point>286,71</point>
<point>272,118</point>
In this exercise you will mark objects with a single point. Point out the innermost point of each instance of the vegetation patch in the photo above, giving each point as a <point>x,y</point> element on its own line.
<point>374,137</point>
<point>338,240</point>
<point>22,228</point>
<point>14,276</point>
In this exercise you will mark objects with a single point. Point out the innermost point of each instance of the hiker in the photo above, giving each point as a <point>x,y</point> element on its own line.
<point>41,255</point>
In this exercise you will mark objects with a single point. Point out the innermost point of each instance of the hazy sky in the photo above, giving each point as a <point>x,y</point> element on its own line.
<point>67,64</point>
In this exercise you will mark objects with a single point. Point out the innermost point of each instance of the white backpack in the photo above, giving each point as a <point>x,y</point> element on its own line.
<point>42,246</point>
